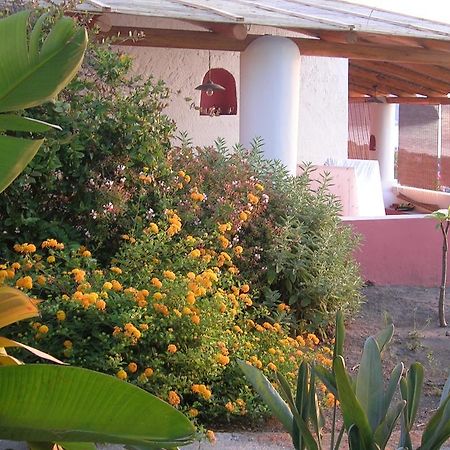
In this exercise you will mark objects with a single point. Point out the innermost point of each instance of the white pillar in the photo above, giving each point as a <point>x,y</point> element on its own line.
<point>269,97</point>
<point>382,126</point>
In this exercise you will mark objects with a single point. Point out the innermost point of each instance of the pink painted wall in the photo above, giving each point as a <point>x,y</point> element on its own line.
<point>343,185</point>
<point>399,250</point>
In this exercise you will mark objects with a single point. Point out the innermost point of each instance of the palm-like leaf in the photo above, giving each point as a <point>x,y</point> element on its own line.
<point>31,74</point>
<point>43,403</point>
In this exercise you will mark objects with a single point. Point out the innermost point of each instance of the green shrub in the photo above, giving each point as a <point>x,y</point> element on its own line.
<point>296,250</point>
<point>171,315</point>
<point>85,184</point>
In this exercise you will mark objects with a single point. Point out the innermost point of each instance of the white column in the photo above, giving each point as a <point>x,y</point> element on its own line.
<point>382,126</point>
<point>269,97</point>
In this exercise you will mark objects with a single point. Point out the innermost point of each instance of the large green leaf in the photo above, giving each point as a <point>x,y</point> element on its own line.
<point>410,390</point>
<point>29,74</point>
<point>445,391</point>
<point>438,428</point>
<point>14,122</point>
<point>5,343</point>
<point>339,335</point>
<point>44,403</point>
<point>384,336</point>
<point>352,411</point>
<point>15,306</point>
<point>392,386</point>
<point>270,396</point>
<point>306,435</point>
<point>370,383</point>
<point>386,427</point>
<point>15,154</point>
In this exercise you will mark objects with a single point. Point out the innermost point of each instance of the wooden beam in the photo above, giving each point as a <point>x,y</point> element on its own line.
<point>309,47</point>
<point>434,71</point>
<point>234,31</point>
<point>388,80</point>
<point>401,72</point>
<point>404,100</point>
<point>376,90</point>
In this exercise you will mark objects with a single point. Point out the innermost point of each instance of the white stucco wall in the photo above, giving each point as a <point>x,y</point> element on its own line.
<point>182,70</point>
<point>323,117</point>
<point>323,128</point>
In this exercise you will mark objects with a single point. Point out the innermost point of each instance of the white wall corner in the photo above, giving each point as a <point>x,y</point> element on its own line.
<point>323,118</point>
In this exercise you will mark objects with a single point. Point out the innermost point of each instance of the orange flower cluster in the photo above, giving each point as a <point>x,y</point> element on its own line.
<point>201,390</point>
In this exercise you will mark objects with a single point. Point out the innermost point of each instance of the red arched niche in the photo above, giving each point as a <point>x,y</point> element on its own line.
<point>221,103</point>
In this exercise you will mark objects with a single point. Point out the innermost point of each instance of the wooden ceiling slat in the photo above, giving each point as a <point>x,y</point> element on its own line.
<point>433,71</point>
<point>377,90</point>
<point>403,73</point>
<point>404,82</point>
<point>404,100</point>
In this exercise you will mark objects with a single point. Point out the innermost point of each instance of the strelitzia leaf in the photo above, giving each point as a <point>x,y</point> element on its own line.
<point>392,386</point>
<point>384,337</point>
<point>47,403</point>
<point>438,428</point>
<point>410,389</point>
<point>307,437</point>
<point>15,154</point>
<point>387,425</point>
<point>30,76</point>
<point>445,391</point>
<point>370,383</point>
<point>414,380</point>
<point>5,342</point>
<point>13,122</point>
<point>352,410</point>
<point>15,306</point>
<point>270,396</point>
<point>339,335</point>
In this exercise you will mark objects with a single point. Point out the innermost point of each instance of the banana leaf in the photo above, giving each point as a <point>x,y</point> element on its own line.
<point>270,396</point>
<point>45,403</point>
<point>31,74</point>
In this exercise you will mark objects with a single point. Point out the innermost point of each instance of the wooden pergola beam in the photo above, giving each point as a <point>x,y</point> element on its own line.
<point>377,90</point>
<point>403,100</point>
<point>309,47</point>
<point>403,73</point>
<point>378,77</point>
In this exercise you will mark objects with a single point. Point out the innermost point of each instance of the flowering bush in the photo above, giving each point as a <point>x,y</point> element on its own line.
<point>297,255</point>
<point>171,315</point>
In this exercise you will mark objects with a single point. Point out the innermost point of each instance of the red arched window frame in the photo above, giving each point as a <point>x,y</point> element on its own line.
<point>221,103</point>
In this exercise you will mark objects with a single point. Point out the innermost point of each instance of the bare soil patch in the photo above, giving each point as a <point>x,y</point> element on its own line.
<point>417,336</point>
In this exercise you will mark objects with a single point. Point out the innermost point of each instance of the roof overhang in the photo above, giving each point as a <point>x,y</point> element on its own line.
<point>392,57</point>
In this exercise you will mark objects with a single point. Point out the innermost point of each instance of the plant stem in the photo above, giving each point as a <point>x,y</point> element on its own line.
<point>441,306</point>
<point>333,426</point>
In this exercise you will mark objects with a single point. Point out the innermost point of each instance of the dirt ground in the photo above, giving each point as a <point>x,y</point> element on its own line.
<point>417,336</point>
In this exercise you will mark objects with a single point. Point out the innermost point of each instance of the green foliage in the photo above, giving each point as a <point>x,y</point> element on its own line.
<point>170,315</point>
<point>367,410</point>
<point>296,250</point>
<point>442,217</point>
<point>84,185</point>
